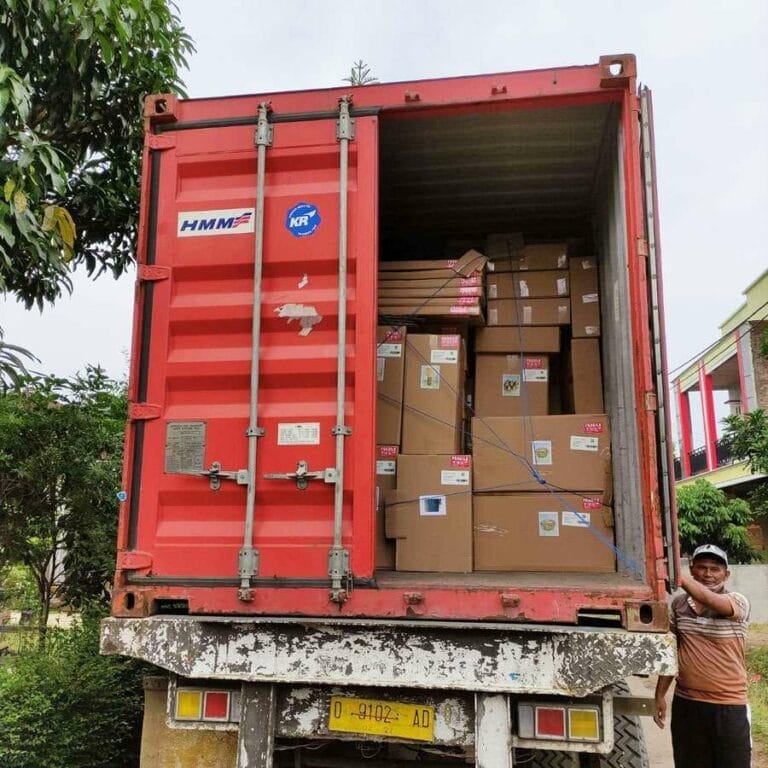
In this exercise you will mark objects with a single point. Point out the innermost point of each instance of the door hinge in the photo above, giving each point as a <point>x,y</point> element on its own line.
<point>144,411</point>
<point>133,560</point>
<point>158,141</point>
<point>153,272</point>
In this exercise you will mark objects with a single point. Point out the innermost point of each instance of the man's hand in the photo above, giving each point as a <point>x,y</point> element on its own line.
<point>660,715</point>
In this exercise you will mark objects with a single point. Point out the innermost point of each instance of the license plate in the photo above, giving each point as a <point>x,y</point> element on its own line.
<point>382,718</point>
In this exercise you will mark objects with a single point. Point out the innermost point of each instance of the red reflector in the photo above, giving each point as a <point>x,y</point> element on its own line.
<point>550,722</point>
<point>216,705</point>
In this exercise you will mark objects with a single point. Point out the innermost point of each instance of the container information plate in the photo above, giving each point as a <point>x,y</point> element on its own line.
<point>382,718</point>
<point>299,434</point>
<point>184,447</point>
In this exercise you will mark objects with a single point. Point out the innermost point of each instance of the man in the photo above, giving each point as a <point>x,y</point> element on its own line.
<point>710,717</point>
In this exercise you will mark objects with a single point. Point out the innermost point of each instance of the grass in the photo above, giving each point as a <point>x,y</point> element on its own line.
<point>757,666</point>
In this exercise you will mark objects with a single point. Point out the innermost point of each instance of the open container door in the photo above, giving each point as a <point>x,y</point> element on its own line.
<point>251,439</point>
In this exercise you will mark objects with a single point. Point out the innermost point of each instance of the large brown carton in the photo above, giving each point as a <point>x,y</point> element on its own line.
<point>390,371</point>
<point>529,312</point>
<point>429,285</point>
<point>543,532</point>
<point>430,514</point>
<point>518,339</point>
<point>585,377</point>
<point>585,298</point>
<point>528,285</point>
<point>470,262</point>
<point>544,256</point>
<point>503,251</point>
<point>511,385</point>
<point>435,367</point>
<point>420,292</point>
<point>386,482</point>
<point>569,453</point>
<point>429,300</point>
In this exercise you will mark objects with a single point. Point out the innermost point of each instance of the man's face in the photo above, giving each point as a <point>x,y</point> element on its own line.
<point>709,571</point>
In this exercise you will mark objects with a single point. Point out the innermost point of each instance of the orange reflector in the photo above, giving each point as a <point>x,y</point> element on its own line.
<point>550,722</point>
<point>216,705</point>
<point>189,705</point>
<point>583,724</point>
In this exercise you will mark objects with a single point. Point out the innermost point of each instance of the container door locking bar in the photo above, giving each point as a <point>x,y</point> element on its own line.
<point>302,475</point>
<point>217,474</point>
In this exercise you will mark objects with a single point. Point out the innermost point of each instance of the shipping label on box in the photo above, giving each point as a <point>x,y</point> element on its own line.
<point>511,312</point>
<point>511,385</point>
<point>585,298</point>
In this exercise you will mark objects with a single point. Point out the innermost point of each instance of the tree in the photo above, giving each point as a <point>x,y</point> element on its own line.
<point>705,515</point>
<point>747,436</point>
<point>360,74</point>
<point>12,363</point>
<point>60,455</point>
<point>72,80</point>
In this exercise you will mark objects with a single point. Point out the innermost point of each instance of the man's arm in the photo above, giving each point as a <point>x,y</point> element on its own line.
<point>718,602</point>
<point>662,686</point>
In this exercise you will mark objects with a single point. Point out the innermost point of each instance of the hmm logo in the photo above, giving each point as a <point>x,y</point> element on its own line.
<point>234,221</point>
<point>303,220</point>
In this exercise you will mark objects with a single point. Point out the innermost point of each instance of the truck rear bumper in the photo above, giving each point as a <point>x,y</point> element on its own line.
<point>492,658</point>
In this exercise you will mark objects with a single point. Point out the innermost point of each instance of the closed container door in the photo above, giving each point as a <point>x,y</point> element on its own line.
<point>198,339</point>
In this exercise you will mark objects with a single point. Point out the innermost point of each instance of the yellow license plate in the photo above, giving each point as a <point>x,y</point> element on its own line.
<point>382,718</point>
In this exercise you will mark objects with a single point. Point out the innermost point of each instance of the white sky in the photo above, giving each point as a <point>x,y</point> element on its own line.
<point>707,63</point>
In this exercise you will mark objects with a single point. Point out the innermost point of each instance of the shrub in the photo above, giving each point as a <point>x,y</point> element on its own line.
<point>65,705</point>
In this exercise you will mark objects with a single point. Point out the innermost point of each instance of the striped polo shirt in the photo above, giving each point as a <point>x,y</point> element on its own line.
<point>711,651</point>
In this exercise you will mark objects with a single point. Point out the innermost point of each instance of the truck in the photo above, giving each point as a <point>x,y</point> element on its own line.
<point>249,515</point>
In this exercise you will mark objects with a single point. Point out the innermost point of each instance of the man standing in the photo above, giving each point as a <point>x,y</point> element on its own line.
<point>710,718</point>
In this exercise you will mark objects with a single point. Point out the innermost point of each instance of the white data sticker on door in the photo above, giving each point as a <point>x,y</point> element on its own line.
<point>582,443</point>
<point>430,377</point>
<point>389,350</point>
<point>535,374</point>
<point>381,366</point>
<point>576,519</point>
<point>548,524</point>
<point>454,477</point>
<point>307,433</point>
<point>542,452</point>
<point>432,506</point>
<point>444,356</point>
<point>386,467</point>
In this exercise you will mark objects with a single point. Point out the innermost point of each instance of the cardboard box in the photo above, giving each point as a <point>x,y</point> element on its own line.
<point>440,313</point>
<point>543,532</point>
<point>429,300</point>
<point>429,285</point>
<point>528,285</point>
<point>390,374</point>
<point>570,453</point>
<point>585,298</point>
<point>430,514</point>
<point>518,339</point>
<point>585,377</point>
<point>470,262</point>
<point>386,482</point>
<point>511,385</point>
<point>420,292</point>
<point>503,251</point>
<point>544,256</point>
<point>435,368</point>
<point>529,312</point>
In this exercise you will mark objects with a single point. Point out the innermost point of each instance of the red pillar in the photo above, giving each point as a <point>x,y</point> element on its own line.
<point>684,421</point>
<point>710,424</point>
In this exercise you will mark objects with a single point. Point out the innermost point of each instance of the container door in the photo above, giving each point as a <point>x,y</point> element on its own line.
<point>664,453</point>
<point>190,488</point>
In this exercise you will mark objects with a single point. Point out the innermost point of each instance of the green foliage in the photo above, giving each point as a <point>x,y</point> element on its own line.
<point>60,457</point>
<point>72,80</point>
<point>757,665</point>
<point>65,705</point>
<point>706,515</point>
<point>19,588</point>
<point>747,436</point>
<point>13,361</point>
<point>360,74</point>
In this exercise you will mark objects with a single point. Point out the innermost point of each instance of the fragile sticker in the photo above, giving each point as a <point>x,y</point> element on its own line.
<point>381,366</point>
<point>462,461</point>
<point>549,524</point>
<point>389,350</point>
<point>535,374</point>
<point>430,377</point>
<point>591,502</point>
<point>589,298</point>
<point>510,385</point>
<point>562,286</point>
<point>386,467</point>
<point>454,477</point>
<point>307,433</point>
<point>576,519</point>
<point>432,506</point>
<point>444,356</point>
<point>531,362</point>
<point>450,341</point>
<point>593,427</point>
<point>582,443</point>
<point>388,450</point>
<point>542,452</point>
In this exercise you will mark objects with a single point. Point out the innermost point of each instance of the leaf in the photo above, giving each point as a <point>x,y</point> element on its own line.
<point>20,201</point>
<point>49,217</point>
<point>8,188</point>
<point>87,28</point>
<point>65,226</point>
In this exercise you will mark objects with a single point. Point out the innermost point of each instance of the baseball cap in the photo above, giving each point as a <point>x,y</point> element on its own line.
<point>712,550</point>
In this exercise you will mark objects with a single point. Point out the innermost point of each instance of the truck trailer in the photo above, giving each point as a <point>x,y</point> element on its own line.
<point>476,588</point>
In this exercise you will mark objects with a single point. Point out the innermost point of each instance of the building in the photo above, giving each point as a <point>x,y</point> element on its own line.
<point>734,365</point>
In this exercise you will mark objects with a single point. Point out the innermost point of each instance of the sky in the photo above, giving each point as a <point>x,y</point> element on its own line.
<point>706,62</point>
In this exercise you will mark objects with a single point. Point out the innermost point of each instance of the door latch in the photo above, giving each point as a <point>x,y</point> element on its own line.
<point>303,475</point>
<point>216,474</point>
